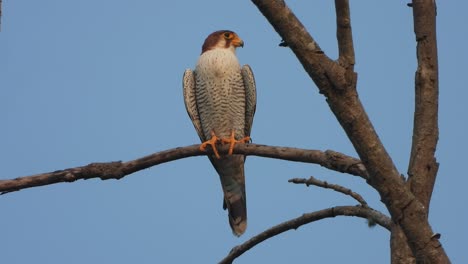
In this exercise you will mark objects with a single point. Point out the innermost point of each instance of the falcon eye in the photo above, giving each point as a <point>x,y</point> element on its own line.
<point>227,35</point>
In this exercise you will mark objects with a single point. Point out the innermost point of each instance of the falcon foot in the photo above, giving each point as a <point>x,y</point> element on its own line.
<point>212,142</point>
<point>232,142</point>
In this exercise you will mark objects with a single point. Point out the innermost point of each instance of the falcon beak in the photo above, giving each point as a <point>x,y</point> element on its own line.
<point>237,42</point>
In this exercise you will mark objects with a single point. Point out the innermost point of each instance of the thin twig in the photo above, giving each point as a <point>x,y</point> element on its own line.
<point>358,211</point>
<point>116,170</point>
<point>326,185</point>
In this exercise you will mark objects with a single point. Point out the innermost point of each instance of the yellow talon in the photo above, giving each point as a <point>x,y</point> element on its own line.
<point>212,142</point>
<point>232,141</point>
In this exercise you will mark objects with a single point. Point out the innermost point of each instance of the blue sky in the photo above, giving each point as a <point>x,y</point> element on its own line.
<point>96,81</point>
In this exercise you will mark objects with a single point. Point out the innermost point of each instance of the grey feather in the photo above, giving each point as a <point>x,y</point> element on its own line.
<point>190,101</point>
<point>220,97</point>
<point>250,97</point>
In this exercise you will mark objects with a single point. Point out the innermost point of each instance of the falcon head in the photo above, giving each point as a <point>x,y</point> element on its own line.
<point>222,39</point>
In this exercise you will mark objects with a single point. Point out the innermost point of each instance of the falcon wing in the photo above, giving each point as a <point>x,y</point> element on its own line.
<point>250,97</point>
<point>190,101</point>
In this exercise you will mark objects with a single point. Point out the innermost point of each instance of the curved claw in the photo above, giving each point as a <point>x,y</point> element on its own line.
<point>212,142</point>
<point>232,142</point>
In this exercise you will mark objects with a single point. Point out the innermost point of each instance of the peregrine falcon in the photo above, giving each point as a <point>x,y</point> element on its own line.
<point>220,98</point>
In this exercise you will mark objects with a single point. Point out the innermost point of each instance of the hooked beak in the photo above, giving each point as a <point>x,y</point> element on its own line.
<point>237,42</point>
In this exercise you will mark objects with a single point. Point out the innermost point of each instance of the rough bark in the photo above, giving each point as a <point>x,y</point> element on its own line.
<point>423,166</point>
<point>338,84</point>
<point>400,252</point>
<point>335,187</point>
<point>116,170</point>
<point>358,211</point>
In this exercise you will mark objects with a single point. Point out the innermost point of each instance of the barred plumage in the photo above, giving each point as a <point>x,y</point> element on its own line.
<point>220,98</point>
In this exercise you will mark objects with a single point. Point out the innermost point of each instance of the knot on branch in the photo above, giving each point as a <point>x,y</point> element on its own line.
<point>345,164</point>
<point>105,171</point>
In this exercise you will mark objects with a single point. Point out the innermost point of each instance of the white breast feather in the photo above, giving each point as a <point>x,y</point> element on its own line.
<point>220,93</point>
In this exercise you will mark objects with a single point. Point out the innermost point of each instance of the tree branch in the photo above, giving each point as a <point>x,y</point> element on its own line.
<point>339,88</point>
<point>324,71</point>
<point>344,33</point>
<point>336,187</point>
<point>400,252</point>
<point>358,211</point>
<point>116,170</point>
<point>423,166</point>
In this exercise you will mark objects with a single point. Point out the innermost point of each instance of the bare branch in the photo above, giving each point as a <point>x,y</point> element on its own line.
<point>358,211</point>
<point>116,170</point>
<point>344,33</point>
<point>336,187</point>
<point>339,88</point>
<point>325,72</point>
<point>423,166</point>
<point>342,98</point>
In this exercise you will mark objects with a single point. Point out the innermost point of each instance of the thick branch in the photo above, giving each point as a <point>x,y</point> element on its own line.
<point>359,211</point>
<point>423,166</point>
<point>116,170</point>
<point>326,185</point>
<point>400,251</point>
<point>342,99</point>
<point>324,71</point>
<point>339,87</point>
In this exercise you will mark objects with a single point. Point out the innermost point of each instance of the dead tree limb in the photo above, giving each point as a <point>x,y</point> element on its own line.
<point>323,184</point>
<point>423,166</point>
<point>338,85</point>
<point>358,211</point>
<point>115,170</point>
<point>344,34</point>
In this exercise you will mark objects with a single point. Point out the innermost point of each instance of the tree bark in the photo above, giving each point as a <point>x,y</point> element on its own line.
<point>116,170</point>
<point>358,211</point>
<point>338,84</point>
<point>400,252</point>
<point>423,166</point>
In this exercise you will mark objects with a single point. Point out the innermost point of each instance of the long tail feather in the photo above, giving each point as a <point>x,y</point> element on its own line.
<point>231,172</point>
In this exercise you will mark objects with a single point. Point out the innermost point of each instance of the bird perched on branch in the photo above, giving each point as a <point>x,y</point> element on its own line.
<point>220,98</point>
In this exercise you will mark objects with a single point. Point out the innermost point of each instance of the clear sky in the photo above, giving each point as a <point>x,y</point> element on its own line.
<point>96,81</point>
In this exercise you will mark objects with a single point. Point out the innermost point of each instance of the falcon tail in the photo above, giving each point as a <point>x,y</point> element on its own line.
<point>231,172</point>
